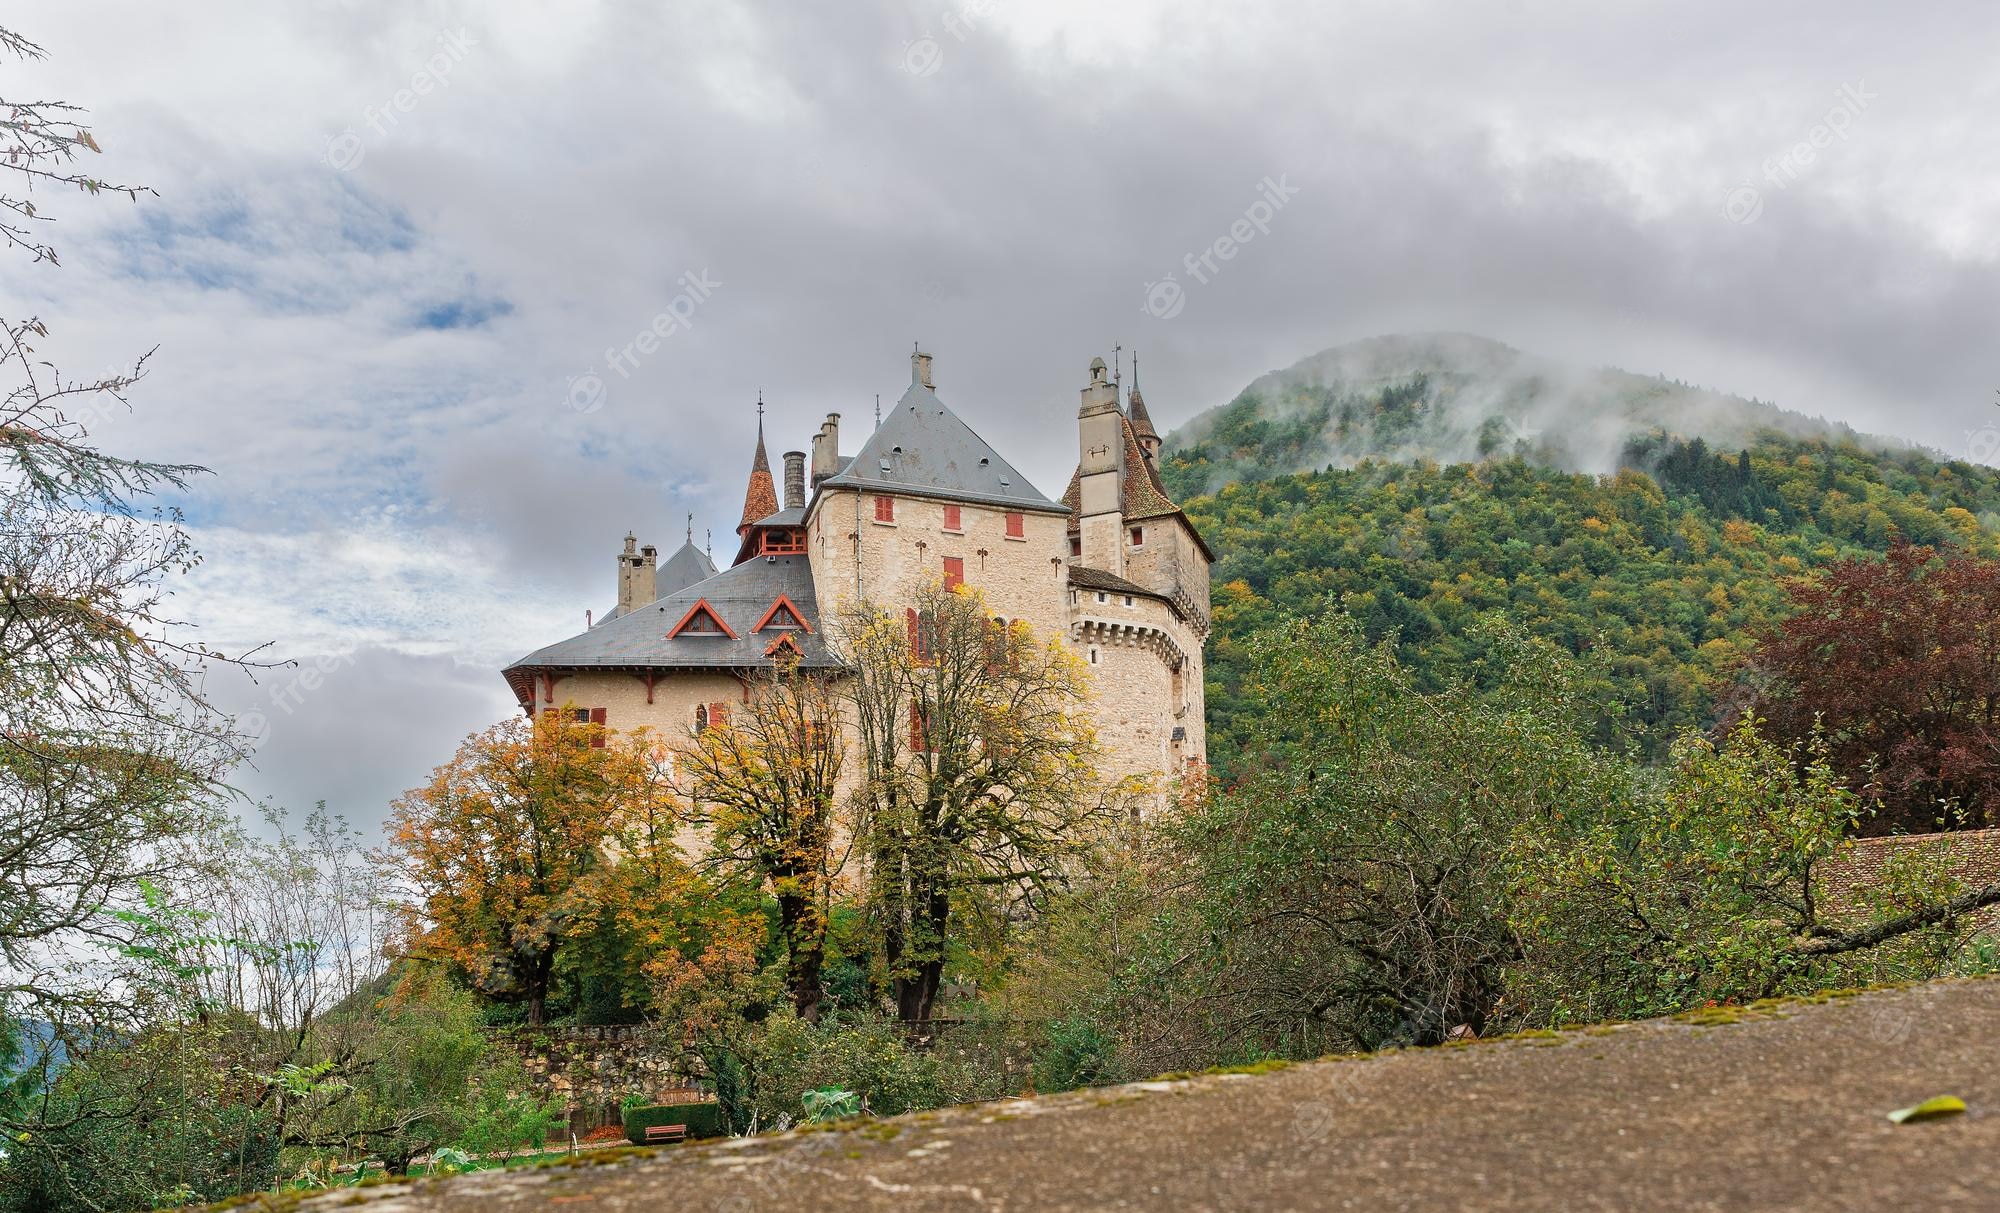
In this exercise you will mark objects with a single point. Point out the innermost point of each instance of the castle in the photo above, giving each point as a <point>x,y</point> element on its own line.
<point>1114,568</point>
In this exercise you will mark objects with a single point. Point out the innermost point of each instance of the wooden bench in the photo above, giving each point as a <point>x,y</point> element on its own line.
<point>665,1135</point>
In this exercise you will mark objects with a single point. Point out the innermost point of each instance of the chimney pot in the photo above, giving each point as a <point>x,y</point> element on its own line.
<point>795,479</point>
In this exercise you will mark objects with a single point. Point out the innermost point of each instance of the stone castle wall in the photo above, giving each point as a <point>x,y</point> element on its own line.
<point>593,1070</point>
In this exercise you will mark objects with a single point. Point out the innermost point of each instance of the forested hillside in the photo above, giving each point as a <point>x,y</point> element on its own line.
<point>1661,567</point>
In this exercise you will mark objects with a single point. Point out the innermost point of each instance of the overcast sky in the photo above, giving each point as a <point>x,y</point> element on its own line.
<point>399,251</point>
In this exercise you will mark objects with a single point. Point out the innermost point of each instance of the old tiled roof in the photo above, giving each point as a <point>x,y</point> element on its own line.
<point>1142,422</point>
<point>1086,578</point>
<point>760,500</point>
<point>923,449</point>
<point>1141,494</point>
<point>1847,879</point>
<point>739,597</point>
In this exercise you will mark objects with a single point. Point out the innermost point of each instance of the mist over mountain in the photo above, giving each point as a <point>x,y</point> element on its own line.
<point>1429,483</point>
<point>1460,398</point>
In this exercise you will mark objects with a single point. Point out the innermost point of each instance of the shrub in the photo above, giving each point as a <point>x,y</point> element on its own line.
<point>701,1119</point>
<point>1075,1053</point>
<point>868,1057</point>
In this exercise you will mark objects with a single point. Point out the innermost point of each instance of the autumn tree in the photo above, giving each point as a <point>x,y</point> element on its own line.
<point>764,782</point>
<point>508,848</point>
<point>978,774</point>
<point>1897,660</point>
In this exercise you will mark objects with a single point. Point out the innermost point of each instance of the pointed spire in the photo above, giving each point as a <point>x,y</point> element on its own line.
<point>760,499</point>
<point>1142,422</point>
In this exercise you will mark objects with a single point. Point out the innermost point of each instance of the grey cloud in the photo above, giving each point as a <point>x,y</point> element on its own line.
<point>1552,175</point>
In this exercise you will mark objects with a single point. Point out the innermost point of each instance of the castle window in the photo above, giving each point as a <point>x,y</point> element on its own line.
<point>954,572</point>
<point>885,509</point>
<point>1093,655</point>
<point>952,519</point>
<point>592,716</point>
<point>1101,597</point>
<point>1128,600</point>
<point>1017,524</point>
<point>700,717</point>
<point>920,733</point>
<point>1138,536</point>
<point>923,634</point>
<point>1076,545</point>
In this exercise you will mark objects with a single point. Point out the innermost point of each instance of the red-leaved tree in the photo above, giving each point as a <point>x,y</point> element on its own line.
<point>1898,660</point>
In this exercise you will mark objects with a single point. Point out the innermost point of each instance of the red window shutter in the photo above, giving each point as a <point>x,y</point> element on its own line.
<point>952,519</point>
<point>885,509</point>
<point>597,718</point>
<point>916,633</point>
<point>954,572</point>
<point>920,740</point>
<point>718,715</point>
<point>1016,524</point>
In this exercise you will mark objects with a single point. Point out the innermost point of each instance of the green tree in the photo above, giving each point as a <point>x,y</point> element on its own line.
<point>1356,887</point>
<point>978,773</point>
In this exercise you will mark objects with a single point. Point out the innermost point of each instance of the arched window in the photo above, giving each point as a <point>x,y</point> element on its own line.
<point>700,717</point>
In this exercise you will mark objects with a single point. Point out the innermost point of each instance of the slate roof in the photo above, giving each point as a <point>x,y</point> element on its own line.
<point>739,596</point>
<point>683,569</point>
<point>923,449</point>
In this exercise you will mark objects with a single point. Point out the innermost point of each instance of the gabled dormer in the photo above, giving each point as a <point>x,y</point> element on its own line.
<point>784,615</point>
<point>701,620</point>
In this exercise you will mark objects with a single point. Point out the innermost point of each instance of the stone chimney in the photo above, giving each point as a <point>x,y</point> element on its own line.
<point>795,479</point>
<point>826,449</point>
<point>920,369</point>
<point>637,581</point>
<point>1100,468</point>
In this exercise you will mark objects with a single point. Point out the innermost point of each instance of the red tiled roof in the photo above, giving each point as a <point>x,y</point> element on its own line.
<point>1141,494</point>
<point>760,500</point>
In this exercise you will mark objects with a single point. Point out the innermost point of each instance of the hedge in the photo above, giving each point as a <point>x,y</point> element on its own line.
<point>702,1119</point>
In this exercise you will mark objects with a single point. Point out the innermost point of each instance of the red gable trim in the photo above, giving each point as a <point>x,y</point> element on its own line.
<point>700,608</point>
<point>784,603</point>
<point>785,640</point>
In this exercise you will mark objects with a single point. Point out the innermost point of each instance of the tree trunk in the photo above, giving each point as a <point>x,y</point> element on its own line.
<point>805,945</point>
<point>916,995</point>
<point>540,969</point>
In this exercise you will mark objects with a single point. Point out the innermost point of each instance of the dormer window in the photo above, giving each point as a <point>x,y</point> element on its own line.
<point>701,620</point>
<point>783,616</point>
